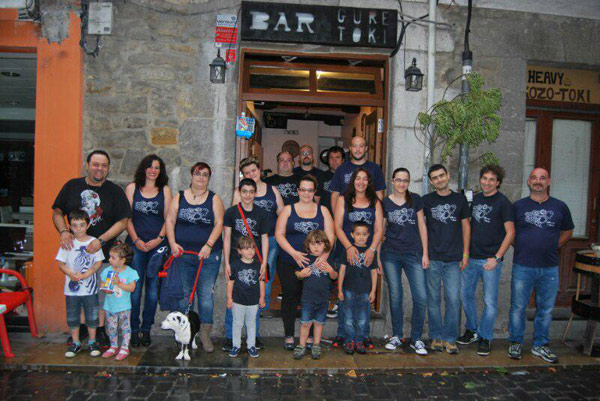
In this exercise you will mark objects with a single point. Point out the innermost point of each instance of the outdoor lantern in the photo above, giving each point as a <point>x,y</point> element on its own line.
<point>217,69</point>
<point>413,77</point>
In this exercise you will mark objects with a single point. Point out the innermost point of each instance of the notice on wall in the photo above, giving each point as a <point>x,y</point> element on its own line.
<point>563,85</point>
<point>226,30</point>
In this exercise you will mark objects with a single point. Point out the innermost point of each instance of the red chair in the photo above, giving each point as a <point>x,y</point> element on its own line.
<point>11,300</point>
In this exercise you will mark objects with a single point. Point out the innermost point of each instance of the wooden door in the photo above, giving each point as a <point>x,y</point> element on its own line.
<point>567,144</point>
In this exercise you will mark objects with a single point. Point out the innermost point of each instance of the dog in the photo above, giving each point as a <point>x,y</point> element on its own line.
<point>185,328</point>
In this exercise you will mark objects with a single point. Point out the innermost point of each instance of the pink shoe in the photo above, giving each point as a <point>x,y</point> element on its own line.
<point>110,352</point>
<point>123,353</point>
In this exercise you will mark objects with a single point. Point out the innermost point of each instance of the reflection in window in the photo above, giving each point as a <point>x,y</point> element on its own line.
<point>267,77</point>
<point>345,82</point>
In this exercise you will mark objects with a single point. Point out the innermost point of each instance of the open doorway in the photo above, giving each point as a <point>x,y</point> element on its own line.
<point>319,100</point>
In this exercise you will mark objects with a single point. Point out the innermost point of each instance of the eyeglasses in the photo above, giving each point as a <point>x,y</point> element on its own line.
<point>201,174</point>
<point>303,190</point>
<point>306,153</point>
<point>400,181</point>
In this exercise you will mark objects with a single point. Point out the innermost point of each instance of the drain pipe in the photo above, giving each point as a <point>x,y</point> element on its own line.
<point>430,87</point>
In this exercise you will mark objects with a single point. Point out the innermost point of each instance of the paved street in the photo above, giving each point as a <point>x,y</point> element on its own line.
<point>571,383</point>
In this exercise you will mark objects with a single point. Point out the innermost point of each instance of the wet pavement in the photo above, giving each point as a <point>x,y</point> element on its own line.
<point>549,383</point>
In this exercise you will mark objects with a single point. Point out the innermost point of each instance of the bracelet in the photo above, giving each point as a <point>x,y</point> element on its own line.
<point>209,244</point>
<point>351,246</point>
<point>135,242</point>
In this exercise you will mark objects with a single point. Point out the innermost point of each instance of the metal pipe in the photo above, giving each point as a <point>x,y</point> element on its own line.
<point>467,66</point>
<point>430,87</point>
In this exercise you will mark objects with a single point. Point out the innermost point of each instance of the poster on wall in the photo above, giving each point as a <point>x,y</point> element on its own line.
<point>563,85</point>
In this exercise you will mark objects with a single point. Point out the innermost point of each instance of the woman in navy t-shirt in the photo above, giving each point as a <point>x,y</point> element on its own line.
<point>150,198</point>
<point>195,223</point>
<point>405,247</point>
<point>294,224</point>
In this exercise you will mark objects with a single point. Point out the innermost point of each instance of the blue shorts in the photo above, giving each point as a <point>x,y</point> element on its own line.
<point>90,306</point>
<point>314,311</point>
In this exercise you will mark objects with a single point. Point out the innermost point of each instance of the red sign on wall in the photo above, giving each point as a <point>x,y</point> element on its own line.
<point>226,30</point>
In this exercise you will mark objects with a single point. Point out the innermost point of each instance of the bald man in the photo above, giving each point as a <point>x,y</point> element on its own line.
<point>543,224</point>
<point>358,158</point>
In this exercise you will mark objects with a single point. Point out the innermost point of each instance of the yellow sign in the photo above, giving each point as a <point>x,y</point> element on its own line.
<point>561,85</point>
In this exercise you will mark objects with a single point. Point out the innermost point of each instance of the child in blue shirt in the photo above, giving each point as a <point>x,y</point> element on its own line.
<point>117,303</point>
<point>317,279</point>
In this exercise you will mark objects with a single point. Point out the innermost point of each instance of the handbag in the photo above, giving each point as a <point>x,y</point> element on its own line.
<point>260,259</point>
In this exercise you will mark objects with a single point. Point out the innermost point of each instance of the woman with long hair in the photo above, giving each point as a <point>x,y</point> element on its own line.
<point>149,197</point>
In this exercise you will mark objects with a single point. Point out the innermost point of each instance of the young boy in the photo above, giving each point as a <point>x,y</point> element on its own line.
<point>357,284</point>
<point>245,293</point>
<point>317,278</point>
<point>81,284</point>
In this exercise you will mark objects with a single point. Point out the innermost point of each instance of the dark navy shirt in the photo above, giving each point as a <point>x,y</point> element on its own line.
<point>444,228</point>
<point>402,232</point>
<point>358,275</point>
<point>537,230</point>
<point>257,220</point>
<point>324,190</point>
<point>195,223</point>
<point>317,286</point>
<point>246,286</point>
<point>287,187</point>
<point>298,228</point>
<point>342,175</point>
<point>488,215</point>
<point>148,214</point>
<point>299,172</point>
<point>354,214</point>
<point>268,202</point>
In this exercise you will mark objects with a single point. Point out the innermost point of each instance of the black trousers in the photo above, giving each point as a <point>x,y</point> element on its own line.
<point>291,289</point>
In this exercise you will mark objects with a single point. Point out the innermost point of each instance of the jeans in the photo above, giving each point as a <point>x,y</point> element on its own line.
<point>447,273</point>
<point>139,264</point>
<point>89,303</point>
<point>313,311</point>
<point>272,261</point>
<point>393,264</point>
<point>188,265</point>
<point>545,282</point>
<point>356,311</point>
<point>244,315</point>
<point>491,279</point>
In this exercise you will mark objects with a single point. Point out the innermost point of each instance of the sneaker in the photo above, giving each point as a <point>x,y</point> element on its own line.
<point>338,342</point>
<point>94,349</point>
<point>393,343</point>
<point>299,351</point>
<point>316,351</point>
<point>484,347</point>
<point>332,313</point>
<point>289,345</point>
<point>252,351</point>
<point>437,345</point>
<point>544,352</point>
<point>280,296</point>
<point>146,341</point>
<point>227,345</point>
<point>235,351</point>
<point>73,350</point>
<point>451,348</point>
<point>514,351</point>
<point>135,340</point>
<point>258,344</point>
<point>419,347</point>
<point>368,343</point>
<point>360,348</point>
<point>468,338</point>
<point>349,348</point>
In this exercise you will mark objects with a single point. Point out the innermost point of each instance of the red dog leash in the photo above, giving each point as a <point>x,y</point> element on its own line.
<point>167,266</point>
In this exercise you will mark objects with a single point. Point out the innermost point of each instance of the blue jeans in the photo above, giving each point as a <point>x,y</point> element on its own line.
<point>393,263</point>
<point>448,273</point>
<point>188,265</point>
<point>545,282</point>
<point>139,264</point>
<point>356,311</point>
<point>491,279</point>
<point>314,311</point>
<point>272,261</point>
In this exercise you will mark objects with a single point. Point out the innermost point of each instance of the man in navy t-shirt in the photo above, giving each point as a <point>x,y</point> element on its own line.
<point>358,158</point>
<point>492,232</point>
<point>285,180</point>
<point>542,226</point>
<point>448,232</point>
<point>306,160</point>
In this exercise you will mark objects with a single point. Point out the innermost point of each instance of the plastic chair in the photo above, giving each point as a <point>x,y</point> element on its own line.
<point>11,300</point>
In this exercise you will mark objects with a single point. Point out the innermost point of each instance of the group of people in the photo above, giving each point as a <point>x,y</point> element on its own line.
<point>317,231</point>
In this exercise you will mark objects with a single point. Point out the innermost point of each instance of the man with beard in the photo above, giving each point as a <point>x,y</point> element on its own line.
<point>543,224</point>
<point>306,159</point>
<point>358,158</point>
<point>106,205</point>
<point>285,180</point>
<point>335,158</point>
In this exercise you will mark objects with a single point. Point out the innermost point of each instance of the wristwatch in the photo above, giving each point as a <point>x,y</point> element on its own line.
<point>162,237</point>
<point>497,259</point>
<point>102,242</point>
<point>374,250</point>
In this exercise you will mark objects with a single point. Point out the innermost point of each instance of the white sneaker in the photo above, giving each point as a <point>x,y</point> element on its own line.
<point>419,347</point>
<point>393,343</point>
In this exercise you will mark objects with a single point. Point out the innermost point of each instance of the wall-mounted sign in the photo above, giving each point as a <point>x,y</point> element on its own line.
<point>226,30</point>
<point>562,85</point>
<point>301,23</point>
<point>290,132</point>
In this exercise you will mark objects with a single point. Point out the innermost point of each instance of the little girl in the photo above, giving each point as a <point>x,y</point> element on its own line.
<point>317,279</point>
<point>118,281</point>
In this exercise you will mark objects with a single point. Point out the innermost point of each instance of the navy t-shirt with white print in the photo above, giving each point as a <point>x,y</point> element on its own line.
<point>257,219</point>
<point>537,230</point>
<point>358,275</point>
<point>246,286</point>
<point>324,190</point>
<point>488,215</point>
<point>402,232</point>
<point>444,227</point>
<point>342,175</point>
<point>287,187</point>
<point>317,286</point>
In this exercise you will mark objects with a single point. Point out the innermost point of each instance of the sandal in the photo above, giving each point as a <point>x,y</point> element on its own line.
<point>289,346</point>
<point>123,353</point>
<point>112,351</point>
